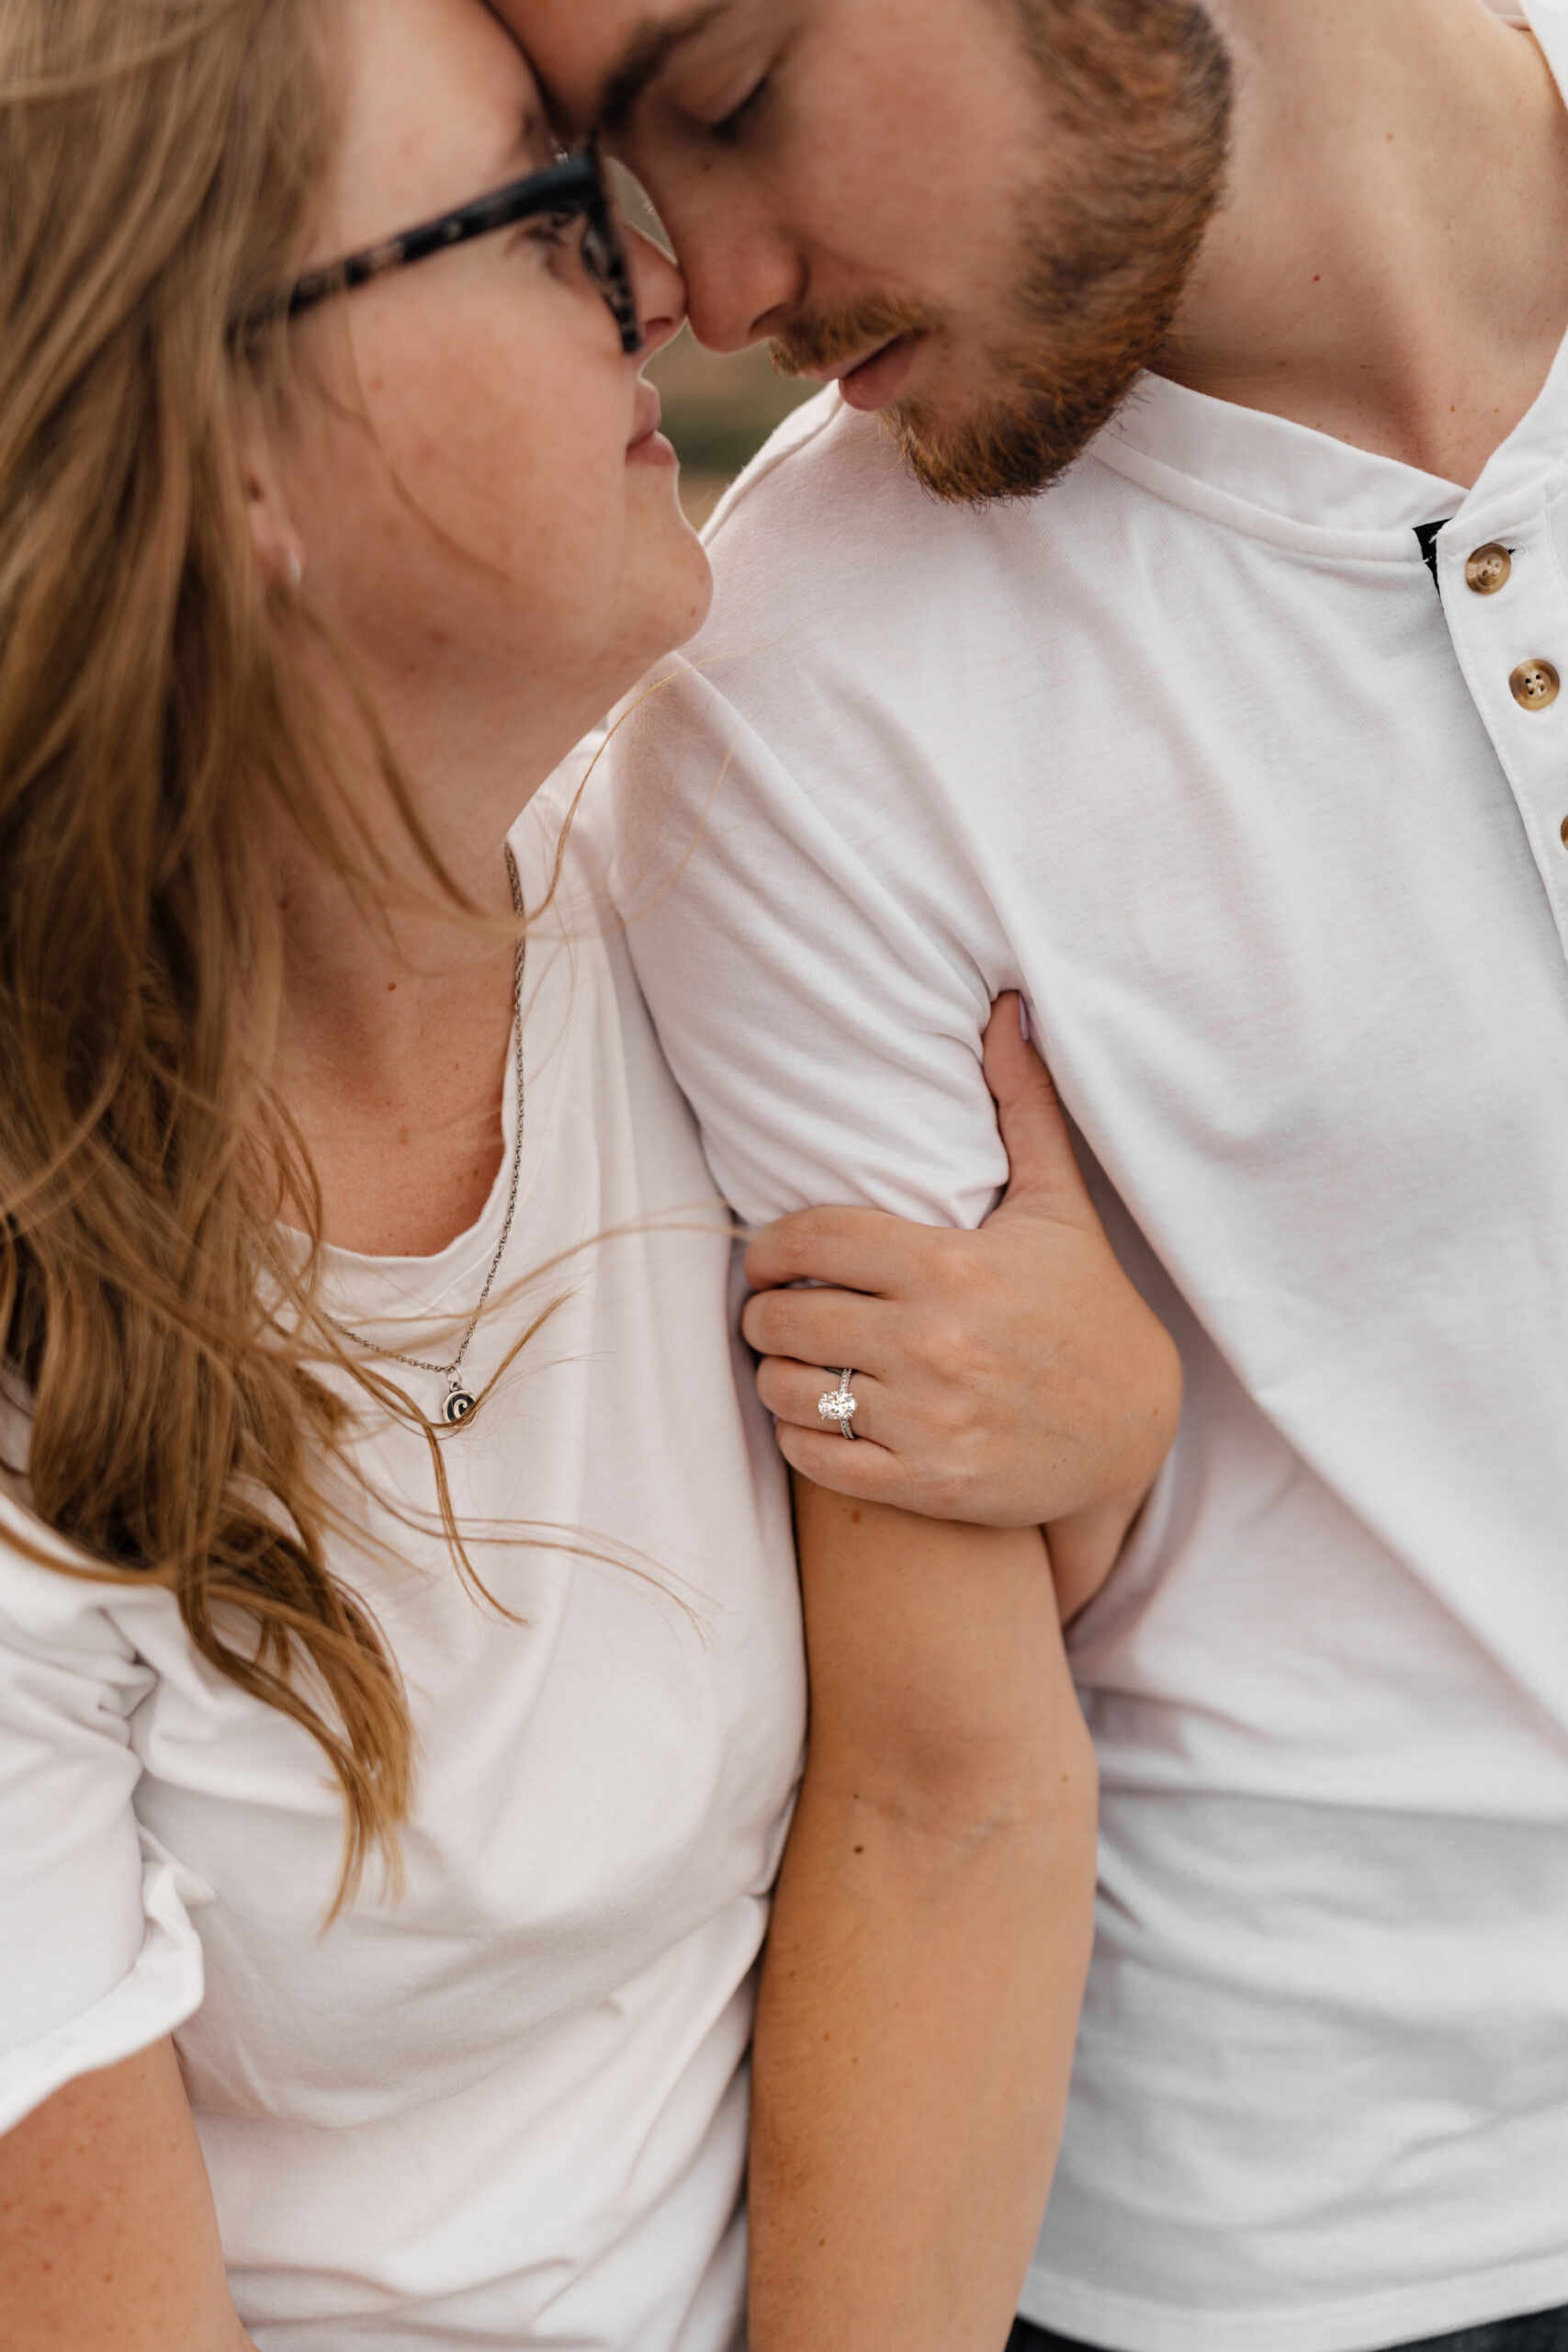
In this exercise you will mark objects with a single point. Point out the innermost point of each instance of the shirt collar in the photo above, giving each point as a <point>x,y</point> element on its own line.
<point>1270,464</point>
<point>1258,470</point>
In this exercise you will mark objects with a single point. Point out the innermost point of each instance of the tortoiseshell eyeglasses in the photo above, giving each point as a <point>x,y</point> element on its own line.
<point>573,188</point>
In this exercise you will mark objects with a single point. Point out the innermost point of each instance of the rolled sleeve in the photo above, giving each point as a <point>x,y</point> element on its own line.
<point>98,1956</point>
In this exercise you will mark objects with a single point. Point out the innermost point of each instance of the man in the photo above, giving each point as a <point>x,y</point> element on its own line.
<point>1244,753</point>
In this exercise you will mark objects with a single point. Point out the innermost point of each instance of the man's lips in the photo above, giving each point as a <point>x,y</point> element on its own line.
<point>878,376</point>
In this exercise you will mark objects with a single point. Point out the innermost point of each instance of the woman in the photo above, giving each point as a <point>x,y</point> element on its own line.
<point>401,1689</point>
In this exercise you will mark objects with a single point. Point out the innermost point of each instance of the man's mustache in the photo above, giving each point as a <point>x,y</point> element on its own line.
<point>815,344</point>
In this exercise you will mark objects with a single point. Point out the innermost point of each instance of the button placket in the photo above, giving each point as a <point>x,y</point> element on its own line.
<point>1511,630</point>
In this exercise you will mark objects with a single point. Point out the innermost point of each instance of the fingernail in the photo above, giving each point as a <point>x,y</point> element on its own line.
<point>1022,1018</point>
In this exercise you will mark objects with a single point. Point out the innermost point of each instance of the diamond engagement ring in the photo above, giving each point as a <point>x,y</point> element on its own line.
<point>841,1404</point>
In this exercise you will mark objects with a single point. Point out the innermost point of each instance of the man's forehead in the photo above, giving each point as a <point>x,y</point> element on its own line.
<point>597,62</point>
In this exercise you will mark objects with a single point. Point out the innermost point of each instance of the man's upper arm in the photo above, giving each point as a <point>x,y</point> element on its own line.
<point>813,990</point>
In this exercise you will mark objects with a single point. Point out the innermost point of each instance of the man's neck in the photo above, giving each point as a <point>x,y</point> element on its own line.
<point>1391,266</point>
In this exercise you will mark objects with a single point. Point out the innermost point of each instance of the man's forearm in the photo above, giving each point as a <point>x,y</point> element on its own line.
<point>930,1934</point>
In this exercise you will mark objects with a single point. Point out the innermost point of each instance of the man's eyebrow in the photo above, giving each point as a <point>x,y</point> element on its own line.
<point>644,58</point>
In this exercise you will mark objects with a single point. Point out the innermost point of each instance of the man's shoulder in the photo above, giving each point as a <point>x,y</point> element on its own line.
<point>829,520</point>
<point>824,499</point>
<point>822,453</point>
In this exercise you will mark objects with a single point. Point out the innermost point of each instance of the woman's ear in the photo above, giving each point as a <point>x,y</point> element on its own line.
<point>279,550</point>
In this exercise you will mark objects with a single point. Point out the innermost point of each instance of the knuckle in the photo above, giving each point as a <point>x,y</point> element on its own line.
<point>952,1418</point>
<point>759,1321</point>
<point>785,1337</point>
<point>939,1259</point>
<point>810,1229</point>
<point>914,1252</point>
<point>768,1254</point>
<point>927,1347</point>
<point>820,1459</point>
<point>782,1252</point>
<point>954,1352</point>
<point>944,1492</point>
<point>780,1328</point>
<point>793,1443</point>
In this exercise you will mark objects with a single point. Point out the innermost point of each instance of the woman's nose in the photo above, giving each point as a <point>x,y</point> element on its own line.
<point>659,288</point>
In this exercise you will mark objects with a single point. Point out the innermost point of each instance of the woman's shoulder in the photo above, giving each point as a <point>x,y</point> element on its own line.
<point>99,1958</point>
<point>60,1614</point>
<point>583,1008</point>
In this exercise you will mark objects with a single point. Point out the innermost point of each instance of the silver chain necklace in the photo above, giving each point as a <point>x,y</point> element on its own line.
<point>460,1401</point>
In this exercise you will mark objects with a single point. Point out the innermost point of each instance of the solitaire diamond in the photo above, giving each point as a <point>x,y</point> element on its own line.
<point>839,1405</point>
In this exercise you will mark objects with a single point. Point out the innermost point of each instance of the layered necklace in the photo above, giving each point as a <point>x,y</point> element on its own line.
<point>460,1400</point>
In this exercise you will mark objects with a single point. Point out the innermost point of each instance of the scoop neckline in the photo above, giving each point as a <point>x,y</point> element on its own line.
<point>466,1249</point>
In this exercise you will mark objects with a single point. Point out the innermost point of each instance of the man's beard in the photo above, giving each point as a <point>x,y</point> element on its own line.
<point>1140,90</point>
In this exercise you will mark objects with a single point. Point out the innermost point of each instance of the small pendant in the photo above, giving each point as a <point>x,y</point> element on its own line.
<point>458,1405</point>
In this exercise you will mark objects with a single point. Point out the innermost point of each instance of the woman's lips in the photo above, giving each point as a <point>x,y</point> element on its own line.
<point>873,382</point>
<point>648,446</point>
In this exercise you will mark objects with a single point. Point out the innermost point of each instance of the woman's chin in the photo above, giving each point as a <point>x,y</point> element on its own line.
<point>699,599</point>
<point>679,586</point>
<point>658,604</point>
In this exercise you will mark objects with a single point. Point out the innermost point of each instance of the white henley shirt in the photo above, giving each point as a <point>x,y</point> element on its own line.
<point>1195,752</point>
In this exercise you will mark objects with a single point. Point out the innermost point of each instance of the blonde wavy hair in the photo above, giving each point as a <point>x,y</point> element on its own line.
<point>161,164</point>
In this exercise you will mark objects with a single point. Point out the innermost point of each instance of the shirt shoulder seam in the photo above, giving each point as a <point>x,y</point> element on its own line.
<point>767,461</point>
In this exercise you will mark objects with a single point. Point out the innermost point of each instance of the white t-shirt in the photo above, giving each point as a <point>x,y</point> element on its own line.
<point>510,2107</point>
<point>1193,750</point>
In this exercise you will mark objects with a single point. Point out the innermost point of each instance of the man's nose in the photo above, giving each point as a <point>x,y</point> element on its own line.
<point>744,280</point>
<point>659,288</point>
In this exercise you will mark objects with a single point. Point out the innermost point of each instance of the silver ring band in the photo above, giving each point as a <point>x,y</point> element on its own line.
<point>841,1404</point>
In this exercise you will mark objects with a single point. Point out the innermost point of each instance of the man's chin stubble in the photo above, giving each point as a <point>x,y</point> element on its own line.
<point>1100,264</point>
<point>1013,447</point>
<point>1083,336</point>
<point>1009,443</point>
<point>1092,316</point>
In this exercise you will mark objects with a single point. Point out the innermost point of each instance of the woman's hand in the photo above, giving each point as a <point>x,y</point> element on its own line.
<point>1011,1377</point>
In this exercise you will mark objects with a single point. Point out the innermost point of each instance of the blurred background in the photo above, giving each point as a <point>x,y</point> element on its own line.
<point>718,412</point>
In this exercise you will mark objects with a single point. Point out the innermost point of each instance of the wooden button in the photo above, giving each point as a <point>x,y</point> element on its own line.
<point>1488,569</point>
<point>1534,684</point>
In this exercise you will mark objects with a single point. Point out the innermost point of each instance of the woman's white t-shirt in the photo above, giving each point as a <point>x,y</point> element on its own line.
<point>509,2106</point>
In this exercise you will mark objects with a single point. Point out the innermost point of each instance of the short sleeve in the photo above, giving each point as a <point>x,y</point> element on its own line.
<point>99,1955</point>
<point>823,1025</point>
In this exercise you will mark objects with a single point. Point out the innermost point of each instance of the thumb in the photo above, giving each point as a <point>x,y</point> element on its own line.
<point>1047,1180</point>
